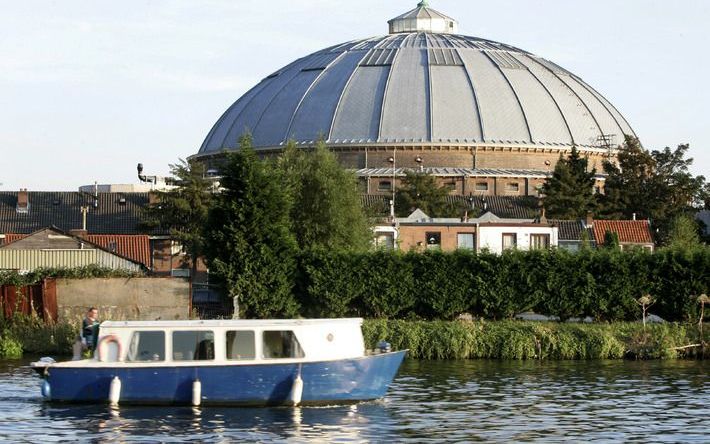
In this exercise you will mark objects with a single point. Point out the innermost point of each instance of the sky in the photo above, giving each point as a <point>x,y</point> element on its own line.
<point>90,88</point>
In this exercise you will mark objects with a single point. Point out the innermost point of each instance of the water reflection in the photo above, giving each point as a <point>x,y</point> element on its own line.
<point>436,401</point>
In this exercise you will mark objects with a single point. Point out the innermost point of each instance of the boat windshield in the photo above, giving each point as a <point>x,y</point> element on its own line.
<point>147,346</point>
<point>281,345</point>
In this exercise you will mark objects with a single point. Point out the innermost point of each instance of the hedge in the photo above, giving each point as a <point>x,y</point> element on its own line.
<point>601,284</point>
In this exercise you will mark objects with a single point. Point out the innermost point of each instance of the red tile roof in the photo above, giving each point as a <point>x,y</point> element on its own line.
<point>12,238</point>
<point>134,247</point>
<point>629,231</point>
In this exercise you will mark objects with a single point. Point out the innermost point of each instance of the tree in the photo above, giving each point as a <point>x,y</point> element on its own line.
<point>250,246</point>
<point>652,185</point>
<point>183,210</point>
<point>569,193</point>
<point>626,190</point>
<point>420,190</point>
<point>326,211</point>
<point>683,233</point>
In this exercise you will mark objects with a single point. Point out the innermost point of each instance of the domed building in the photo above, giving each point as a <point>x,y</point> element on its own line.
<point>484,117</point>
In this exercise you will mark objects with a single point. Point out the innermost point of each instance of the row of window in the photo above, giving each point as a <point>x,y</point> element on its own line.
<point>199,345</point>
<point>386,185</point>
<point>467,241</point>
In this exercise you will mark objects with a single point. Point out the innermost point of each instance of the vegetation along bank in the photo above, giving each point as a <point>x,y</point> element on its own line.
<point>508,339</point>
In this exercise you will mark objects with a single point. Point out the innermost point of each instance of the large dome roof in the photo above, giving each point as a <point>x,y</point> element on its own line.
<point>421,85</point>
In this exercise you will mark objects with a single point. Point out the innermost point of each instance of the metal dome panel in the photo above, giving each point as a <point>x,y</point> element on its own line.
<point>420,88</point>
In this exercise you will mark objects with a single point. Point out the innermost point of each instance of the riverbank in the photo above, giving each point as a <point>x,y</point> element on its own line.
<point>516,340</point>
<point>521,340</point>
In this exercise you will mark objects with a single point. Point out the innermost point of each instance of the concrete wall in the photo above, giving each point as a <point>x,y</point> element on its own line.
<point>124,299</point>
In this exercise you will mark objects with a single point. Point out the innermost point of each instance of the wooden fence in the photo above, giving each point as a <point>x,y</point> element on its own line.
<point>39,299</point>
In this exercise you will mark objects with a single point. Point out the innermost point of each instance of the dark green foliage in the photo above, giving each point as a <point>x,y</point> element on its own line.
<point>569,193</point>
<point>602,284</point>
<point>611,240</point>
<point>653,185</point>
<point>684,233</point>
<point>420,190</point>
<point>183,210</point>
<point>326,211</point>
<point>90,271</point>
<point>250,246</point>
<point>37,336</point>
<point>530,340</point>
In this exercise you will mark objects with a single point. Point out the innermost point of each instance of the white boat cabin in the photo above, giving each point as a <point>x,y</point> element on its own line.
<point>228,342</point>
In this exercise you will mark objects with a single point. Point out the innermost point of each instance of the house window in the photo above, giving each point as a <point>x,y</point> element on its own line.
<point>539,241</point>
<point>512,187</point>
<point>481,186</point>
<point>384,185</point>
<point>466,241</point>
<point>384,241</point>
<point>433,241</point>
<point>193,346</point>
<point>240,345</point>
<point>510,241</point>
<point>281,345</point>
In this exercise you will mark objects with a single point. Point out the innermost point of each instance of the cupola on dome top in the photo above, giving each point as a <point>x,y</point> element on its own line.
<point>423,19</point>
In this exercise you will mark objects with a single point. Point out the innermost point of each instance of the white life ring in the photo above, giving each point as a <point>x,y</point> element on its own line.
<point>102,347</point>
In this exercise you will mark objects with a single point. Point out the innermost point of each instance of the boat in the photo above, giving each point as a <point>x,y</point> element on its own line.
<point>225,362</point>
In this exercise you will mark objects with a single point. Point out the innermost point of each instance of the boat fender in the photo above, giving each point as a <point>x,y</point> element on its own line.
<point>114,392</point>
<point>196,393</point>
<point>384,346</point>
<point>46,390</point>
<point>102,347</point>
<point>296,391</point>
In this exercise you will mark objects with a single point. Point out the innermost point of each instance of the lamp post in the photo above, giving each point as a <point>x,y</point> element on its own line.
<point>420,161</point>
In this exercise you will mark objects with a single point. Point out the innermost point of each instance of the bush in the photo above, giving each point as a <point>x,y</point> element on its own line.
<point>603,284</point>
<point>37,337</point>
<point>10,348</point>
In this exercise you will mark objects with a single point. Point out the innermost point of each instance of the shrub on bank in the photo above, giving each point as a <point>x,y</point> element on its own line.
<point>532,340</point>
<point>602,284</point>
<point>10,348</point>
<point>37,337</point>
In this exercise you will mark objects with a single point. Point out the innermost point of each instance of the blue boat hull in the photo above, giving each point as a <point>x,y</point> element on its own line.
<point>351,380</point>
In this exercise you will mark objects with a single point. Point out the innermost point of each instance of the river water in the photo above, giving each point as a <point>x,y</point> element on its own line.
<point>432,401</point>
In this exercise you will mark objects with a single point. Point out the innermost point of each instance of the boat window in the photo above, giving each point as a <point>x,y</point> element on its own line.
<point>281,344</point>
<point>240,345</point>
<point>147,346</point>
<point>193,345</point>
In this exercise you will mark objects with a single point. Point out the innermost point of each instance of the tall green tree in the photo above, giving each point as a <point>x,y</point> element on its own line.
<point>569,193</point>
<point>327,212</point>
<point>183,210</point>
<point>420,190</point>
<point>684,233</point>
<point>250,245</point>
<point>652,185</point>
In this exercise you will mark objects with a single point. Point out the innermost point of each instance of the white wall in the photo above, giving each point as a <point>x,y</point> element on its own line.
<point>490,237</point>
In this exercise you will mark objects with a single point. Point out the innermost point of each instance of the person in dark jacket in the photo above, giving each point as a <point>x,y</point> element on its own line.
<point>90,328</point>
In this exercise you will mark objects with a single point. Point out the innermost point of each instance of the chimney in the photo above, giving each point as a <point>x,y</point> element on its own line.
<point>589,222</point>
<point>633,217</point>
<point>79,233</point>
<point>23,201</point>
<point>543,217</point>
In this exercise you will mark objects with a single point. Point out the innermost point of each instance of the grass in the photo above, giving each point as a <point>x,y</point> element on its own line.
<point>519,340</point>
